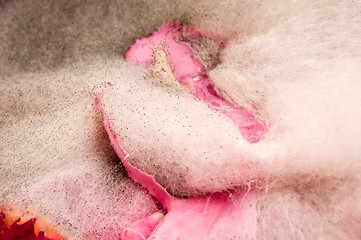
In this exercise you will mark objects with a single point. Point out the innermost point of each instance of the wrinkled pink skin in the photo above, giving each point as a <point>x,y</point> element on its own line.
<point>192,73</point>
<point>218,215</point>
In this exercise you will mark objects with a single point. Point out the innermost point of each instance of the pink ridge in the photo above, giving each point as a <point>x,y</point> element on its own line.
<point>192,73</point>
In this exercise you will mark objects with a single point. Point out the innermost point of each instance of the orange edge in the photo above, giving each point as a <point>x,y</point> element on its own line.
<point>20,216</point>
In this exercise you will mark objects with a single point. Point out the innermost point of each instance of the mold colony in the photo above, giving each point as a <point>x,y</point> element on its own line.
<point>232,212</point>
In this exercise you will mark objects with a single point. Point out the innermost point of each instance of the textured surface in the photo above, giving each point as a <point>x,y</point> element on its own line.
<point>188,147</point>
<point>295,65</point>
<point>231,214</point>
<point>60,165</point>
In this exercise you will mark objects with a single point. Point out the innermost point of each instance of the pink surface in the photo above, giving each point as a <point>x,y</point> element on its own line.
<point>192,73</point>
<point>217,216</point>
<point>142,229</point>
<point>226,215</point>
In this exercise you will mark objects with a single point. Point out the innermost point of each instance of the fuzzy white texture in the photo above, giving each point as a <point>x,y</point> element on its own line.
<point>302,78</point>
<point>293,64</point>
<point>59,164</point>
<point>189,148</point>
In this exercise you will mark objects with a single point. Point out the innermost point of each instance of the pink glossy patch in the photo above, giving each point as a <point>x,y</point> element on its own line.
<point>217,216</point>
<point>189,71</point>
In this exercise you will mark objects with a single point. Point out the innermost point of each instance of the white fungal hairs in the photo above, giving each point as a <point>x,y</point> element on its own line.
<point>302,77</point>
<point>295,65</point>
<point>60,164</point>
<point>189,148</point>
